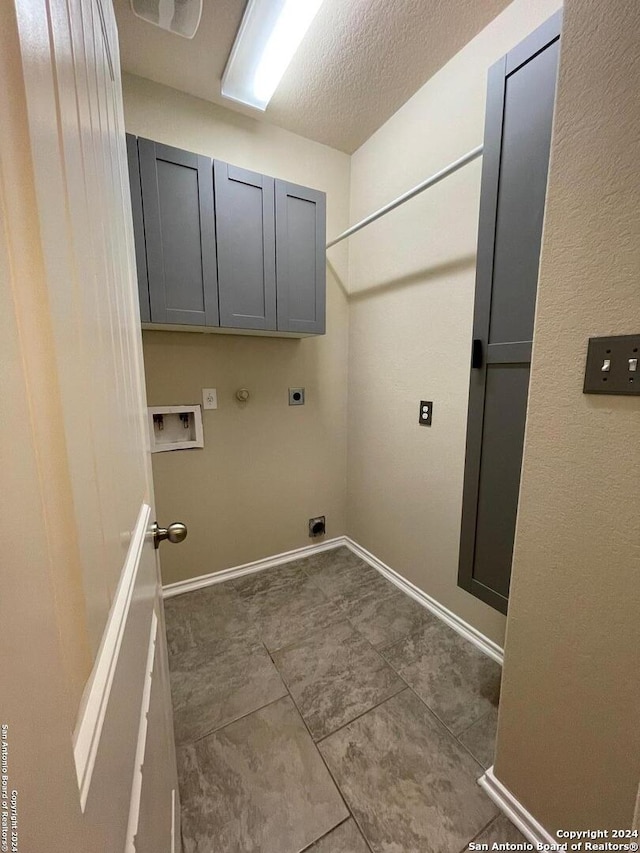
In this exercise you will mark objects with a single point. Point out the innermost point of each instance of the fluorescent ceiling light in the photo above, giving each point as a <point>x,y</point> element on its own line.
<point>269,35</point>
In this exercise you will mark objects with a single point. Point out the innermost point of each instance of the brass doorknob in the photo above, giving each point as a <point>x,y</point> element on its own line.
<point>176,532</point>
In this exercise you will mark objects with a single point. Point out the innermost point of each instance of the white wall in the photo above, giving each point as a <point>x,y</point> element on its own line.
<point>572,667</point>
<point>266,467</point>
<point>411,279</point>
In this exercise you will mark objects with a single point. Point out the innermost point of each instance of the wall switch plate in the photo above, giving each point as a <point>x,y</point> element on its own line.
<point>209,398</point>
<point>426,412</point>
<point>612,366</point>
<point>296,396</point>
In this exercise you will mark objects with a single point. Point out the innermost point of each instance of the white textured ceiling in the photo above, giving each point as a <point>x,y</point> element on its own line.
<point>359,62</point>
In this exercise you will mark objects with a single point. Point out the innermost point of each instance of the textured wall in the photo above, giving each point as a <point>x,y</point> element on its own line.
<point>266,467</point>
<point>412,277</point>
<point>571,679</point>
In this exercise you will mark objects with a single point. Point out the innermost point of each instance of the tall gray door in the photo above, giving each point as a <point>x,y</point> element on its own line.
<point>519,116</point>
<point>179,230</point>
<point>246,248</point>
<point>300,258</point>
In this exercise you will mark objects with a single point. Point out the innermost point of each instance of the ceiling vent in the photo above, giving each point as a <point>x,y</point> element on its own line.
<point>181,17</point>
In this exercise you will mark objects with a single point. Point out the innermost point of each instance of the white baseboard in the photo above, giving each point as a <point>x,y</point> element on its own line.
<point>515,811</point>
<point>178,588</point>
<point>491,649</point>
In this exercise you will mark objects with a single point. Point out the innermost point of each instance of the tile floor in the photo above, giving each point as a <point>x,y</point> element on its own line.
<point>319,708</point>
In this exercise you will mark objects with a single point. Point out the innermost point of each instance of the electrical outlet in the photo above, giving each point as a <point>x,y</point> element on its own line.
<point>426,413</point>
<point>209,398</point>
<point>296,396</point>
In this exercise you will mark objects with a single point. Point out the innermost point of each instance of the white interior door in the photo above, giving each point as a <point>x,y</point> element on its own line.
<point>85,694</point>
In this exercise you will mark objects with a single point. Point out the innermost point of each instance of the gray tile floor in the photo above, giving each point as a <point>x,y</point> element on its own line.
<point>318,708</point>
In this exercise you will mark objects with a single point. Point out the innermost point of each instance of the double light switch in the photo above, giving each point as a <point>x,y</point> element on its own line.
<point>612,365</point>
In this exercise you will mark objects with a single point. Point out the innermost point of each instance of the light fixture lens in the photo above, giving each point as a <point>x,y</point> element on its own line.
<point>294,21</point>
<point>269,35</point>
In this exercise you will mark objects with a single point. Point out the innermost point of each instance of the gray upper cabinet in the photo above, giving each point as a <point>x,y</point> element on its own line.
<point>222,248</point>
<point>245,232</point>
<point>300,258</point>
<point>138,227</point>
<point>179,233</point>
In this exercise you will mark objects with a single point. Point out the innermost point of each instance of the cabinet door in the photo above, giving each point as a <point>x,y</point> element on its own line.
<point>300,258</point>
<point>246,248</point>
<point>519,116</point>
<point>138,227</point>
<point>177,199</point>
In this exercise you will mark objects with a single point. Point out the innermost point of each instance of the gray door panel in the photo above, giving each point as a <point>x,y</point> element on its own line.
<point>502,437</point>
<point>518,123</point>
<point>177,197</point>
<point>246,248</point>
<point>526,139</point>
<point>300,258</point>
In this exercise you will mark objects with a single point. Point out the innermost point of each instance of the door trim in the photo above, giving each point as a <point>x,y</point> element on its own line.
<point>136,785</point>
<point>93,708</point>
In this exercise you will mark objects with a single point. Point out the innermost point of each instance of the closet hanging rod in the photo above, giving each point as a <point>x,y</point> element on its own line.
<point>429,182</point>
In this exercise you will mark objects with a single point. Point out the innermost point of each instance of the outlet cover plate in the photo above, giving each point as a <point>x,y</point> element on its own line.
<point>209,398</point>
<point>425,415</point>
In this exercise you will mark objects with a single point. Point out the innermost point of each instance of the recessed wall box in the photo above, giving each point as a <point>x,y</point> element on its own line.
<point>175,428</point>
